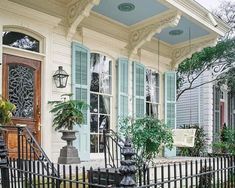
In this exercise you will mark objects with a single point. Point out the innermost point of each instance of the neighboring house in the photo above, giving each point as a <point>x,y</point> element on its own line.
<point>120,56</point>
<point>208,106</point>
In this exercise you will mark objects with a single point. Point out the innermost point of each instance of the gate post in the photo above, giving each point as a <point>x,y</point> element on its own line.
<point>128,168</point>
<point>4,163</point>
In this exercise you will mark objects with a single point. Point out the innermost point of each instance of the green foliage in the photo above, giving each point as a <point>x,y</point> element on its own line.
<point>148,134</point>
<point>199,144</point>
<point>226,143</point>
<point>191,68</point>
<point>6,109</point>
<point>67,113</point>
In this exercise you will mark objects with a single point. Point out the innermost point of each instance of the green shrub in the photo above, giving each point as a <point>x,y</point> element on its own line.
<point>148,135</point>
<point>226,143</point>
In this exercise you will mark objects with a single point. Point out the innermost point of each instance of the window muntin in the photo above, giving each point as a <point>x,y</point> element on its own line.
<point>100,99</point>
<point>152,93</point>
<point>20,40</point>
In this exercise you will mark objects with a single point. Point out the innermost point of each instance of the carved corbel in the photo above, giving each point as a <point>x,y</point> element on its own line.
<point>181,53</point>
<point>77,10</point>
<point>144,34</point>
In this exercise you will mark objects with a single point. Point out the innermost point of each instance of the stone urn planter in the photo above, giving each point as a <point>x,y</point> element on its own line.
<point>67,114</point>
<point>68,154</point>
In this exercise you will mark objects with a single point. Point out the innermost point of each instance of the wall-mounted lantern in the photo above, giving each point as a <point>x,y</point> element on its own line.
<point>60,77</point>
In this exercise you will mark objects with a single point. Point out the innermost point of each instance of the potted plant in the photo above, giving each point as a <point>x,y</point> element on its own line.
<point>68,113</point>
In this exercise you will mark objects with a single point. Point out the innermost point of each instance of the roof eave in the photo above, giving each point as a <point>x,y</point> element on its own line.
<point>199,13</point>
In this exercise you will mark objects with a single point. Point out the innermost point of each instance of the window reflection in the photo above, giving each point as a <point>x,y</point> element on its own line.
<point>20,40</point>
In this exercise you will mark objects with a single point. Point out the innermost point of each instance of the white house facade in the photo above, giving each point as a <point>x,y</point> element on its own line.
<point>120,57</point>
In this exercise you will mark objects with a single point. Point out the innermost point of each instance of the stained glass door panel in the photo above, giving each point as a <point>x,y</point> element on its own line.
<point>22,87</point>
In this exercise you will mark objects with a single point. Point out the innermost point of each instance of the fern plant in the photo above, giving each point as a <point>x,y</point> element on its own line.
<point>67,113</point>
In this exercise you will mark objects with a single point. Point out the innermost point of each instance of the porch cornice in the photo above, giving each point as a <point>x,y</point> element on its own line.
<point>182,52</point>
<point>140,35</point>
<point>77,10</point>
<point>199,13</point>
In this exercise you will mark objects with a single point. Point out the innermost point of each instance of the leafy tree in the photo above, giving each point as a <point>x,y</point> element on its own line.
<point>220,57</point>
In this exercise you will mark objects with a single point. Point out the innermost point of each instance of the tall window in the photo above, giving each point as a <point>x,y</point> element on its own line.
<point>100,99</point>
<point>152,93</point>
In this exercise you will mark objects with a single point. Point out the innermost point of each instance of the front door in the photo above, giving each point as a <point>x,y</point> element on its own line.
<point>22,87</point>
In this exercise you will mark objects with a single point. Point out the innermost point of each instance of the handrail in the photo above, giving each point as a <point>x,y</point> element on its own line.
<point>113,144</point>
<point>25,136</point>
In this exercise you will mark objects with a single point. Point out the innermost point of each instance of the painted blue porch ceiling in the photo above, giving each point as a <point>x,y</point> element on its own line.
<point>144,9</point>
<point>196,31</point>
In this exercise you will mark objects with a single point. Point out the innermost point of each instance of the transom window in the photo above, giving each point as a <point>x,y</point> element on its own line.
<point>152,93</point>
<point>20,40</point>
<point>100,99</point>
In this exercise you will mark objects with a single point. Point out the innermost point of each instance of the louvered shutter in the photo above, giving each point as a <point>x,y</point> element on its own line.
<point>216,108</point>
<point>80,88</point>
<point>170,105</point>
<point>122,88</point>
<point>139,76</point>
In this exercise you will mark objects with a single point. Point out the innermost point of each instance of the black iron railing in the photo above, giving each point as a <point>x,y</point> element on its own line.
<point>216,172</point>
<point>27,147</point>
<point>32,174</point>
<point>112,148</point>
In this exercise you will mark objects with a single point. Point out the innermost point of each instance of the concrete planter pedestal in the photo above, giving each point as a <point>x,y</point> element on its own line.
<point>68,154</point>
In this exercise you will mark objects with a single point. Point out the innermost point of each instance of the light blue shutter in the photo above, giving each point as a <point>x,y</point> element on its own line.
<point>80,88</point>
<point>122,88</point>
<point>139,79</point>
<point>170,105</point>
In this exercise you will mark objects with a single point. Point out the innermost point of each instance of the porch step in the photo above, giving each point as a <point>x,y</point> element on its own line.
<point>105,176</point>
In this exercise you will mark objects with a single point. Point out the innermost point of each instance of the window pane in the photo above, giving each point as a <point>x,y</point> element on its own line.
<point>20,40</point>
<point>101,143</point>
<point>94,123</point>
<point>94,143</point>
<point>104,104</point>
<point>147,109</point>
<point>104,123</point>
<point>105,64</point>
<point>105,84</point>
<point>155,79</point>
<point>94,103</point>
<point>154,110</point>
<point>95,82</point>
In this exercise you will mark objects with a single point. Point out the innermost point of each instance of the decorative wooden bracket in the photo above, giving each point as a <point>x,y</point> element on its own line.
<point>76,12</point>
<point>144,34</point>
<point>183,52</point>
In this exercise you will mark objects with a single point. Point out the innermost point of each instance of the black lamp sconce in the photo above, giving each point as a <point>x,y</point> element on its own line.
<point>60,78</point>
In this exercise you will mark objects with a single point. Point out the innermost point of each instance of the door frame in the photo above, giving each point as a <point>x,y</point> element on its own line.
<point>37,103</point>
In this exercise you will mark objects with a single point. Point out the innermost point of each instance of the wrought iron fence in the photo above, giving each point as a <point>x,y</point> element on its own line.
<point>30,171</point>
<point>30,174</point>
<point>217,172</point>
